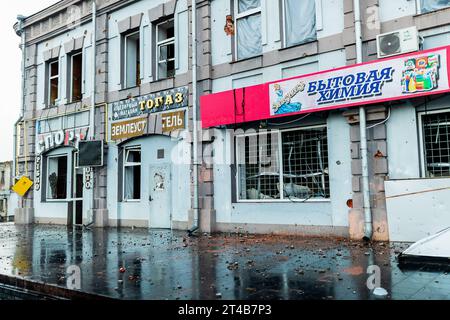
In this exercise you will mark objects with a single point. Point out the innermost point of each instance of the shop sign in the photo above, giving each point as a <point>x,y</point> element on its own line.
<point>88,178</point>
<point>128,129</point>
<point>151,103</point>
<point>22,186</point>
<point>384,80</point>
<point>173,121</point>
<point>37,173</point>
<point>396,78</point>
<point>68,137</point>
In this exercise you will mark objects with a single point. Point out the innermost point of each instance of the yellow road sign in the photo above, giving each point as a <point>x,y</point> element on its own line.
<point>22,186</point>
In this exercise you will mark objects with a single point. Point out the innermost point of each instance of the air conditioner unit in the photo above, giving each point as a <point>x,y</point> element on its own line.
<point>397,42</point>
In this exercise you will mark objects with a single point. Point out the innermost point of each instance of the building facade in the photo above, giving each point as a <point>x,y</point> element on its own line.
<point>5,191</point>
<point>287,171</point>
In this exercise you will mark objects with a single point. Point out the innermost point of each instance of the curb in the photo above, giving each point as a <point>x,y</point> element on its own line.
<point>49,290</point>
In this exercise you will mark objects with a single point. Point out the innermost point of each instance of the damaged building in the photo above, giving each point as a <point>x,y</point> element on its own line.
<point>279,148</point>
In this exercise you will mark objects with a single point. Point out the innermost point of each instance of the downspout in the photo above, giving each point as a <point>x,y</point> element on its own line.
<point>368,229</point>
<point>92,110</point>
<point>20,32</point>
<point>195,225</point>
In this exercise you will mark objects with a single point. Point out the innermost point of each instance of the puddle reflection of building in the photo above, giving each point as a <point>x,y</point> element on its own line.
<point>22,264</point>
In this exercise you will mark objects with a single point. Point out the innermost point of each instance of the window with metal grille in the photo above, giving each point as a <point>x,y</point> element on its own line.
<point>289,165</point>
<point>436,144</point>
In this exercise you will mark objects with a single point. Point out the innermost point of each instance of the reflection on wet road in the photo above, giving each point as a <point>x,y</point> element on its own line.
<point>160,264</point>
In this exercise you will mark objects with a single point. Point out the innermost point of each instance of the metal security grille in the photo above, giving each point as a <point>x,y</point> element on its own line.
<point>305,164</point>
<point>436,139</point>
<point>259,167</point>
<point>288,165</point>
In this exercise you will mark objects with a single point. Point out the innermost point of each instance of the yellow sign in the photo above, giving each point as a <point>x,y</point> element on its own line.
<point>22,186</point>
<point>173,121</point>
<point>128,129</point>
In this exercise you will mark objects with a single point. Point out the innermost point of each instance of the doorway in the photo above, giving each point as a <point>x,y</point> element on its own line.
<point>160,197</point>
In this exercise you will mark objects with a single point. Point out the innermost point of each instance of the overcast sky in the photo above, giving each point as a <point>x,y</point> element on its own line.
<point>10,64</point>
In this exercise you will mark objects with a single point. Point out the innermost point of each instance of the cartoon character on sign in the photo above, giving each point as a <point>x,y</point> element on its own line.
<point>421,74</point>
<point>283,103</point>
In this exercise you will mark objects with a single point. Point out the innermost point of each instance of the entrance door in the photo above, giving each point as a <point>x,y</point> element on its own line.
<point>77,196</point>
<point>160,196</point>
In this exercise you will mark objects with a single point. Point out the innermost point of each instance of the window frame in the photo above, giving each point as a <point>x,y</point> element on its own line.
<point>125,59</point>
<point>127,164</point>
<point>319,23</point>
<point>162,43</point>
<point>79,53</point>
<point>281,173</point>
<point>420,11</point>
<point>242,15</point>
<point>422,149</point>
<point>49,82</point>
<point>47,182</point>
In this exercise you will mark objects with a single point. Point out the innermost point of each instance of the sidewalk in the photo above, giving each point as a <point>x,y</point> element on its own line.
<point>168,265</point>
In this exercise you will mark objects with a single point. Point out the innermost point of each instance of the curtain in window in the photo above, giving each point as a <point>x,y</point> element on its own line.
<point>249,36</point>
<point>245,5</point>
<point>129,183</point>
<point>300,20</point>
<point>432,5</point>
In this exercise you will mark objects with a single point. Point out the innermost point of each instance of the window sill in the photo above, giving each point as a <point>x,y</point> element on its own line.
<point>129,88</point>
<point>247,59</point>
<point>56,201</point>
<point>131,201</point>
<point>431,12</point>
<point>285,48</point>
<point>274,201</point>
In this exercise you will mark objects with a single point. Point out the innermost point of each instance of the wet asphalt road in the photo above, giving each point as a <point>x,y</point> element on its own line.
<point>160,264</point>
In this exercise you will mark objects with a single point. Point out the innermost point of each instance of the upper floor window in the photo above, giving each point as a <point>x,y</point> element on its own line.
<point>76,76</point>
<point>53,83</point>
<point>2,179</point>
<point>433,5</point>
<point>299,21</point>
<point>165,49</point>
<point>248,31</point>
<point>436,144</point>
<point>132,60</point>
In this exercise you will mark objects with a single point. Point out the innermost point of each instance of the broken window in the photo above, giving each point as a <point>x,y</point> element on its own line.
<point>436,144</point>
<point>53,83</point>
<point>248,33</point>
<point>132,174</point>
<point>165,49</point>
<point>433,5</point>
<point>76,80</point>
<point>299,21</point>
<point>2,179</point>
<point>57,177</point>
<point>132,60</point>
<point>287,165</point>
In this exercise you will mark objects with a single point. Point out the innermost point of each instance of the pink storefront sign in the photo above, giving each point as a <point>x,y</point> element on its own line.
<point>399,78</point>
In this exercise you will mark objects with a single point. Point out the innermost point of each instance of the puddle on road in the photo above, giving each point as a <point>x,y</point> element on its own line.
<point>168,265</point>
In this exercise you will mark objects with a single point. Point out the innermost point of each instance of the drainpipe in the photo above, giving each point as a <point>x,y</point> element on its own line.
<point>92,111</point>
<point>20,32</point>
<point>195,225</point>
<point>363,132</point>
